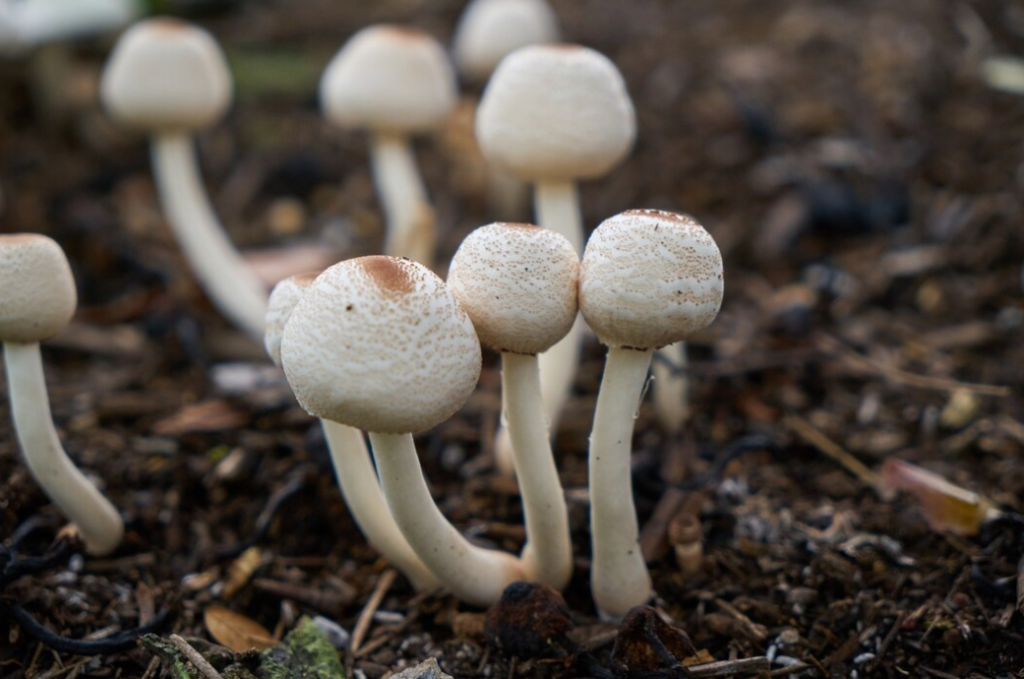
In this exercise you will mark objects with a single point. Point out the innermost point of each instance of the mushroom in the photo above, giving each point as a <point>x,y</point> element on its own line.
<point>518,282</point>
<point>394,82</point>
<point>379,343</point>
<point>37,300</point>
<point>554,115</point>
<point>648,279</point>
<point>170,79</point>
<point>353,466</point>
<point>671,398</point>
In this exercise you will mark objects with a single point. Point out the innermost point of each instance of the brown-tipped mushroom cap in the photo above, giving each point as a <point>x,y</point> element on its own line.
<point>489,30</point>
<point>518,284</point>
<point>166,74</point>
<point>389,79</point>
<point>650,278</point>
<point>380,344</point>
<point>283,298</point>
<point>556,113</point>
<point>37,290</point>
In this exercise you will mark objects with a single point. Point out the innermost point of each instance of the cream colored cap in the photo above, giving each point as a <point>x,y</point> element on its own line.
<point>389,78</point>
<point>556,113</point>
<point>380,344</point>
<point>489,30</point>
<point>283,298</point>
<point>37,290</point>
<point>518,284</point>
<point>650,278</point>
<point>166,74</point>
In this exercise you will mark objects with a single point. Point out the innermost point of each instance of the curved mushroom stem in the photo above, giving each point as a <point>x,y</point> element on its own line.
<point>97,520</point>
<point>232,287</point>
<point>619,576</point>
<point>411,231</point>
<point>558,209</point>
<point>547,555</point>
<point>671,398</point>
<point>360,488</point>
<point>475,575</point>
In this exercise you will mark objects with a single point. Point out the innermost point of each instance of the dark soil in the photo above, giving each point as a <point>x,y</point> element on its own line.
<point>864,184</point>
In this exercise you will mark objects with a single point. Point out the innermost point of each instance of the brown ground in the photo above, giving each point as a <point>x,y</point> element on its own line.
<point>864,184</point>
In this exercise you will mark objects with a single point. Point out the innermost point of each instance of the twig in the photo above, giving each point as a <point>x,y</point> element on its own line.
<point>115,642</point>
<point>724,668</point>
<point>366,616</point>
<point>806,431</point>
<point>889,639</point>
<point>194,657</point>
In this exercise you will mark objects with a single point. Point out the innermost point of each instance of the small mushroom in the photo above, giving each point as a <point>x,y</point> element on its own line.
<point>379,343</point>
<point>353,466</point>
<point>490,30</point>
<point>518,283</point>
<point>648,279</point>
<point>554,115</point>
<point>394,82</point>
<point>170,79</point>
<point>37,300</point>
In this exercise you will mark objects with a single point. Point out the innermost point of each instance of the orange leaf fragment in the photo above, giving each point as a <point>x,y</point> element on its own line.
<point>947,508</point>
<point>206,416</point>
<point>236,631</point>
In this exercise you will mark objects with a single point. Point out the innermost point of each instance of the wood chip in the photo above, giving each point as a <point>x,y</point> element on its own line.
<point>236,631</point>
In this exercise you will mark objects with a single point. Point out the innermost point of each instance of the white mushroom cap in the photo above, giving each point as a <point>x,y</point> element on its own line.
<point>390,79</point>
<point>380,344</point>
<point>650,278</point>
<point>166,74</point>
<point>489,30</point>
<point>556,113</point>
<point>25,24</point>
<point>283,298</point>
<point>518,284</point>
<point>37,290</point>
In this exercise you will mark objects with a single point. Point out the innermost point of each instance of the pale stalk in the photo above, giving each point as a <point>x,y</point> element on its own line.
<point>547,554</point>
<point>411,230</point>
<point>619,576</point>
<point>223,274</point>
<point>96,519</point>
<point>361,491</point>
<point>671,400</point>
<point>475,575</point>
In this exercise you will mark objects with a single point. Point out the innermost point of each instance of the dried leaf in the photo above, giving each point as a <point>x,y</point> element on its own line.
<point>236,631</point>
<point>206,416</point>
<point>241,571</point>
<point>947,508</point>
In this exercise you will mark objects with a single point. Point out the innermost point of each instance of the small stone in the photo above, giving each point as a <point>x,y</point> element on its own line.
<point>428,669</point>
<point>337,636</point>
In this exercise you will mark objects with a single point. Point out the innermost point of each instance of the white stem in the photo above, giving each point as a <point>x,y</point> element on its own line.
<point>558,209</point>
<point>671,397</point>
<point>232,287</point>
<point>411,231</point>
<point>360,488</point>
<point>475,575</point>
<point>98,522</point>
<point>547,555</point>
<point>619,576</point>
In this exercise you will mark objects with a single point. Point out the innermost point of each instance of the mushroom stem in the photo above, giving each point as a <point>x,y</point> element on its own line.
<point>619,576</point>
<point>671,400</point>
<point>411,229</point>
<point>557,205</point>
<point>547,555</point>
<point>98,522</point>
<point>232,287</point>
<point>473,574</point>
<point>360,488</point>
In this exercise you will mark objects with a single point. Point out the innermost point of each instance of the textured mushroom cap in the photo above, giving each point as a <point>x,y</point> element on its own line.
<point>556,113</point>
<point>650,278</point>
<point>283,298</point>
<point>518,284</point>
<point>166,74</point>
<point>489,30</point>
<point>37,291</point>
<point>390,79</point>
<point>380,344</point>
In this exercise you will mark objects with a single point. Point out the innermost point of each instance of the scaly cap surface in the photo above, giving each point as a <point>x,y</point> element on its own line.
<point>489,30</point>
<point>283,298</point>
<point>37,290</point>
<point>390,79</point>
<point>166,74</point>
<point>650,278</point>
<point>380,344</point>
<point>556,113</point>
<point>518,284</point>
